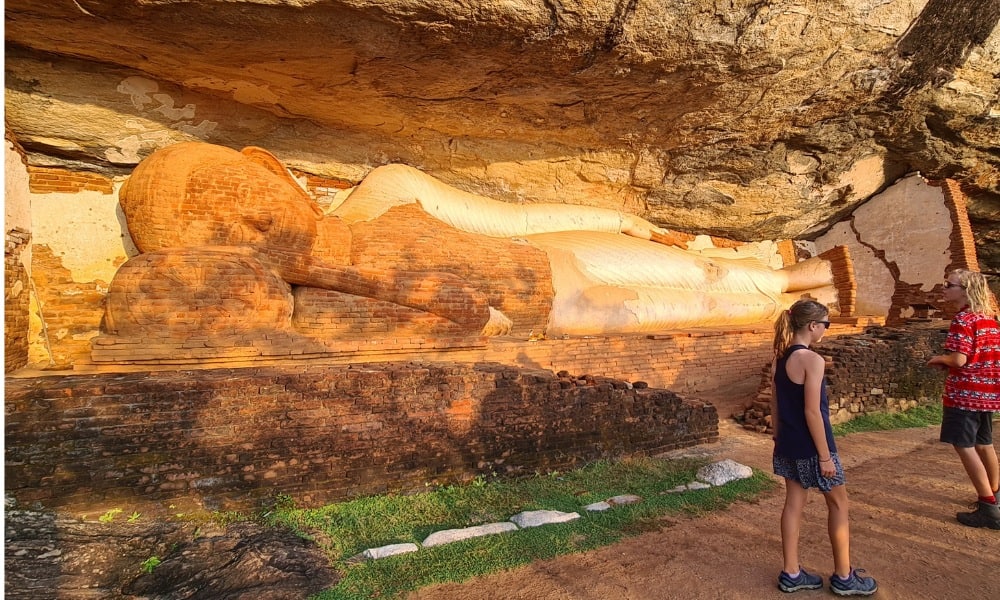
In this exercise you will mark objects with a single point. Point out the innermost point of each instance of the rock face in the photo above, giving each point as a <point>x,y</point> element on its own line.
<point>53,554</point>
<point>744,119</point>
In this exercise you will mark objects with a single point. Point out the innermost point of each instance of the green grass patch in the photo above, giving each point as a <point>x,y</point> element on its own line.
<point>919,416</point>
<point>346,529</point>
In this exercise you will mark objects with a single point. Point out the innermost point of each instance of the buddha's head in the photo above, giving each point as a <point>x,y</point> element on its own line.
<point>197,194</point>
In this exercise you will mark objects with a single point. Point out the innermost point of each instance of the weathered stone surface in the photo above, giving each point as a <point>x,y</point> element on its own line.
<point>49,555</point>
<point>723,471</point>
<point>390,550</point>
<point>537,518</point>
<point>746,119</point>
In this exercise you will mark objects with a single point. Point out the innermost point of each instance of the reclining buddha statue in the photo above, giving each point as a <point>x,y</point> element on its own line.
<point>229,241</point>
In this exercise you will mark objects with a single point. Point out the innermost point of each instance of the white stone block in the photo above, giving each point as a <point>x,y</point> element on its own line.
<point>453,535</point>
<point>534,518</point>
<point>390,550</point>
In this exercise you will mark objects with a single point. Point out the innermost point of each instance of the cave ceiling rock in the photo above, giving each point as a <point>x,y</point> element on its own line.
<point>746,119</point>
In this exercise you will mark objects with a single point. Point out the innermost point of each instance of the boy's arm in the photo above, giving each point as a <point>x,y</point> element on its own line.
<point>952,360</point>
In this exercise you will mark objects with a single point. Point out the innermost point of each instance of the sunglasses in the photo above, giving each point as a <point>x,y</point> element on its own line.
<point>825,324</point>
<point>948,285</point>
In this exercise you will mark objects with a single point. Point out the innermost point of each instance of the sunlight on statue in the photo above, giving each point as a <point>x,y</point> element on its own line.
<point>231,242</point>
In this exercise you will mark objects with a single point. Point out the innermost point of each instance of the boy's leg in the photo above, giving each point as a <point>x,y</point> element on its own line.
<point>838,527</point>
<point>791,522</point>
<point>988,456</point>
<point>976,470</point>
<point>987,453</point>
<point>965,430</point>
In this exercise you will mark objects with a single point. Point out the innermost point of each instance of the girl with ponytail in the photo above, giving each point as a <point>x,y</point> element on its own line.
<point>804,451</point>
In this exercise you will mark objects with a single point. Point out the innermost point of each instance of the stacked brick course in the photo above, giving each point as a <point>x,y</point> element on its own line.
<point>844,279</point>
<point>235,438</point>
<point>963,244</point>
<point>70,310</point>
<point>323,189</point>
<point>46,180</point>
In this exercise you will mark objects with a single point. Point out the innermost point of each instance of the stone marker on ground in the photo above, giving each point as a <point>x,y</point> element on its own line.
<point>453,535</point>
<point>534,518</point>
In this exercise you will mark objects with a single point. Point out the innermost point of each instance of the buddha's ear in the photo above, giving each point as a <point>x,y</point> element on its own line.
<point>267,160</point>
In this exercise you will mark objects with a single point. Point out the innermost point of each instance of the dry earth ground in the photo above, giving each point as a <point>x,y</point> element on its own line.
<point>905,488</point>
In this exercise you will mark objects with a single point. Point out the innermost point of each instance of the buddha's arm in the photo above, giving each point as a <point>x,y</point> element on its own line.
<point>443,294</point>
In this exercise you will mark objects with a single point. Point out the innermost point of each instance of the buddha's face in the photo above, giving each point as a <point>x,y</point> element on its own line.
<point>244,204</point>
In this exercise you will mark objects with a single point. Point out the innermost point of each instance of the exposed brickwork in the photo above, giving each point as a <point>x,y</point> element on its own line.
<point>718,242</point>
<point>843,278</point>
<point>327,314</point>
<point>515,277</point>
<point>17,294</point>
<point>196,292</point>
<point>676,360</point>
<point>963,244</point>
<point>70,310</point>
<point>47,180</point>
<point>883,370</point>
<point>787,252</point>
<point>233,438</point>
<point>322,189</point>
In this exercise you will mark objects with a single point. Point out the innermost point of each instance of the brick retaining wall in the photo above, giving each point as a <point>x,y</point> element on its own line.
<point>233,438</point>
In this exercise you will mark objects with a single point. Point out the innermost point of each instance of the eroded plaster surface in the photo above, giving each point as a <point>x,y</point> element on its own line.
<point>85,230</point>
<point>900,236</point>
<point>17,209</point>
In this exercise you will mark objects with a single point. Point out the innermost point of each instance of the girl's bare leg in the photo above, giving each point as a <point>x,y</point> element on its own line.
<point>791,522</point>
<point>838,527</point>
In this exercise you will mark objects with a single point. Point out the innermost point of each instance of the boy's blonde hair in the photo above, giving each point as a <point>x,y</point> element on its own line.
<point>977,290</point>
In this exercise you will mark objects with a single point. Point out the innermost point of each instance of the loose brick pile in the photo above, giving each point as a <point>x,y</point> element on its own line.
<point>234,438</point>
<point>882,370</point>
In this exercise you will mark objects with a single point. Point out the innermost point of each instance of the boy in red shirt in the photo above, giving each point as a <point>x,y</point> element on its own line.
<point>972,389</point>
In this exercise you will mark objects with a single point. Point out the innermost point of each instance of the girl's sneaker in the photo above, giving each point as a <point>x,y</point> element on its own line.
<point>854,585</point>
<point>803,581</point>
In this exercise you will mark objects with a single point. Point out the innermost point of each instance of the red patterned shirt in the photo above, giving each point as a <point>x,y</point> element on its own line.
<point>976,385</point>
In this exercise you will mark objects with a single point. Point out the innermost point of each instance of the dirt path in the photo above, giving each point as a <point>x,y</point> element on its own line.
<point>904,488</point>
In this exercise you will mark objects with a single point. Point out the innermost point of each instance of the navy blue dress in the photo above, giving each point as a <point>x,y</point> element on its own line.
<point>795,454</point>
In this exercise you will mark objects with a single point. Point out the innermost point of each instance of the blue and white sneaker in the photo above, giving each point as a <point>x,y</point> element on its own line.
<point>854,585</point>
<point>803,581</point>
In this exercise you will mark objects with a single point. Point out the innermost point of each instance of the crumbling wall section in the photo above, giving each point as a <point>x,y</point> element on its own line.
<point>902,242</point>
